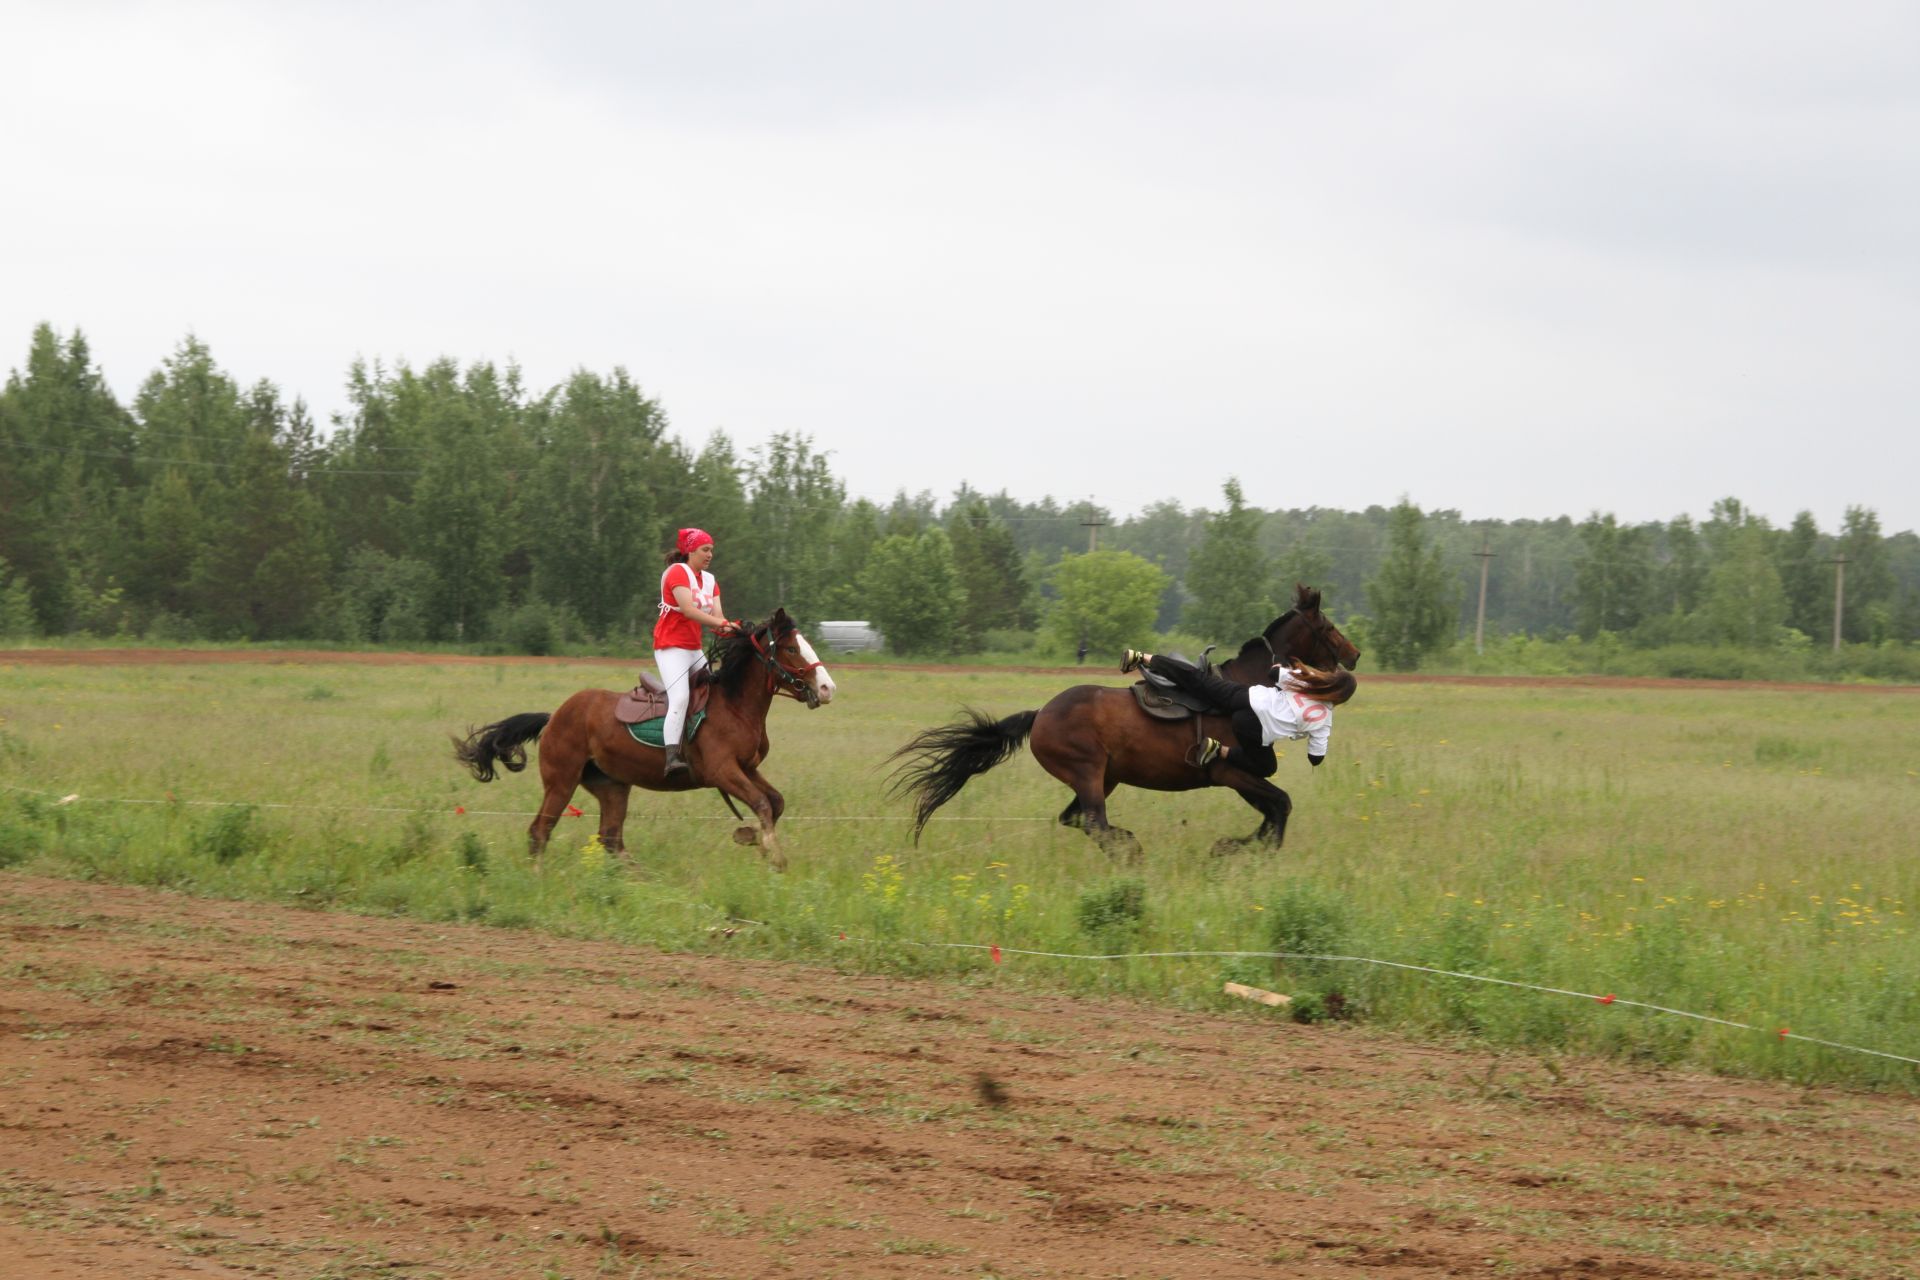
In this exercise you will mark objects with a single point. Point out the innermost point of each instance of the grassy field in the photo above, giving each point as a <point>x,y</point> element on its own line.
<point>1738,854</point>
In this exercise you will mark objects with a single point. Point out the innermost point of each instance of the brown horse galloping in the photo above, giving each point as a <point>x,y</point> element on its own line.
<point>582,745</point>
<point>1096,737</point>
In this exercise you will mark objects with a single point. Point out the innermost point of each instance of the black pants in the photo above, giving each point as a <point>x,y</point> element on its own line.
<point>1251,755</point>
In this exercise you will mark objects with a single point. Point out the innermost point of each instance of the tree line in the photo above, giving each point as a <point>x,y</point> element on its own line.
<point>456,505</point>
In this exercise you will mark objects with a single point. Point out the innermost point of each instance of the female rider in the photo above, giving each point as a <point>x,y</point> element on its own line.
<point>1300,705</point>
<point>689,600</point>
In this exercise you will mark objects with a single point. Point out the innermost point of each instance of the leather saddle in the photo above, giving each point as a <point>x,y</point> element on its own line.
<point>648,699</point>
<point>1161,699</point>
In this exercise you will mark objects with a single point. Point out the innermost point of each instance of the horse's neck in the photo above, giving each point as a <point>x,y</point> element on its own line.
<point>750,699</point>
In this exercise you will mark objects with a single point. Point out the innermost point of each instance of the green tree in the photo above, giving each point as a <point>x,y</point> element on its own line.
<point>1228,578</point>
<point>589,504</point>
<point>793,501</point>
<point>855,534</point>
<point>369,465</point>
<point>1305,562</point>
<point>912,592</point>
<point>1683,577</point>
<point>1805,578</point>
<point>715,499</point>
<point>1867,602</point>
<point>1745,604</point>
<point>1106,598</point>
<point>17,619</point>
<point>263,567</point>
<point>1612,582</point>
<point>991,573</point>
<point>453,519</point>
<point>1412,598</point>
<point>65,464</point>
<point>190,468</point>
<point>382,599</point>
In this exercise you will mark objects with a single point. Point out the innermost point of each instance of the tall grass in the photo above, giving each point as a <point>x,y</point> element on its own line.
<point>1743,855</point>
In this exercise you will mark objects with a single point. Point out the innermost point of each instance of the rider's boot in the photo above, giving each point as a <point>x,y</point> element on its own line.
<point>1133,660</point>
<point>674,762</point>
<point>1206,753</point>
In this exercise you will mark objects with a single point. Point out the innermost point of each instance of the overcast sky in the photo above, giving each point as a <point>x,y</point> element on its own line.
<point>1521,260</point>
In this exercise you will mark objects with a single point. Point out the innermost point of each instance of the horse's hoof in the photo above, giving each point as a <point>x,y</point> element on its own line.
<point>1227,846</point>
<point>746,835</point>
<point>775,859</point>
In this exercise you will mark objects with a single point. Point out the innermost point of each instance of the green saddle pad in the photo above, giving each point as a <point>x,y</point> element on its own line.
<point>648,731</point>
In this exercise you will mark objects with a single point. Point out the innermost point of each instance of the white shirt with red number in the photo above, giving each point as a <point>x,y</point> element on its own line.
<point>1286,713</point>
<point>675,630</point>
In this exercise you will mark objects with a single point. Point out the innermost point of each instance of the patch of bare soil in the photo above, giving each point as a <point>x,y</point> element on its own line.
<point>205,1088</point>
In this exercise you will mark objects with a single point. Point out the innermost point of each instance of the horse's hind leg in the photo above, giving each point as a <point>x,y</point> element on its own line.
<point>560,771</point>
<point>1273,805</point>
<point>1088,812</point>
<point>552,805</point>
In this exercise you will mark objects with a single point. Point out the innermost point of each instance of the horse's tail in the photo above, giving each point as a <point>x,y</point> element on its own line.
<point>504,743</point>
<point>936,763</point>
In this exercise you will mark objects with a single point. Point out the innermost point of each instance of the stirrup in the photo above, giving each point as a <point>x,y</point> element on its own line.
<point>1205,753</point>
<point>675,763</point>
<point>1132,660</point>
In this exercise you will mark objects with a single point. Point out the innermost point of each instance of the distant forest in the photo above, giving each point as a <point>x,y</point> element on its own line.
<point>456,505</point>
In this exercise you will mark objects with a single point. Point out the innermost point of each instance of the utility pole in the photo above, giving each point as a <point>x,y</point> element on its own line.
<point>1485,555</point>
<point>1839,564</point>
<point>1093,528</point>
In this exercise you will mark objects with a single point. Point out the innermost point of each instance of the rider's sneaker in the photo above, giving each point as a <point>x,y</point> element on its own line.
<point>1132,660</point>
<point>1206,753</point>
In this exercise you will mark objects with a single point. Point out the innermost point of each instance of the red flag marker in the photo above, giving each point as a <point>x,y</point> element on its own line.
<point>996,953</point>
<point>843,937</point>
<point>1606,999</point>
<point>1785,1032</point>
<point>459,808</point>
<point>574,811</point>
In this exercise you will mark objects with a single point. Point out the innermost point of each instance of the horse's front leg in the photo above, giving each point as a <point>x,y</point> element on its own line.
<point>745,786</point>
<point>774,798</point>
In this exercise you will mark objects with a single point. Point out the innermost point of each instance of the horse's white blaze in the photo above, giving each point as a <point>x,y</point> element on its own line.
<point>822,682</point>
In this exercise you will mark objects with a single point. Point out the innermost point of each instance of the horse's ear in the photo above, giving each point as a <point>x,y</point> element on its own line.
<point>1306,598</point>
<point>780,624</point>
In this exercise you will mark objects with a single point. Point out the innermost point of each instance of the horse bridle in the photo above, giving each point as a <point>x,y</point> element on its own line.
<point>781,678</point>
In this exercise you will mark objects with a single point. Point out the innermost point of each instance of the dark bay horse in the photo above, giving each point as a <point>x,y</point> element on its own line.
<point>1095,737</point>
<point>582,745</point>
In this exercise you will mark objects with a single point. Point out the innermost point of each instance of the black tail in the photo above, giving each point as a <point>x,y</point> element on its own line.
<point>504,744</point>
<point>939,761</point>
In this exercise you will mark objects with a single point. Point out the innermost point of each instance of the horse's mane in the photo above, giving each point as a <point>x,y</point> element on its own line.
<point>734,656</point>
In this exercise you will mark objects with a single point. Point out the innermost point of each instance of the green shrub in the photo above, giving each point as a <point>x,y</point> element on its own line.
<point>472,853</point>
<point>230,835</point>
<point>1123,903</point>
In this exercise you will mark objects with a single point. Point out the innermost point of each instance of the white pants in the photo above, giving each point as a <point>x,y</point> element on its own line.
<point>676,670</point>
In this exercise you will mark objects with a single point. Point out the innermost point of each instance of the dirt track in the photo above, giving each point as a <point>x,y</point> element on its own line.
<point>209,1088</point>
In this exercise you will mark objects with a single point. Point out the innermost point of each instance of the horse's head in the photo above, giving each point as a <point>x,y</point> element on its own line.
<point>803,676</point>
<point>1304,634</point>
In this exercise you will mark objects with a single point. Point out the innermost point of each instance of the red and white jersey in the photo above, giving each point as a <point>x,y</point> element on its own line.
<point>675,630</point>
<point>1284,712</point>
